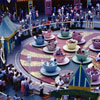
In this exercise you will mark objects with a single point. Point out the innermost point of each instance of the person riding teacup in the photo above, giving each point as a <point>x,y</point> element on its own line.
<point>98,57</point>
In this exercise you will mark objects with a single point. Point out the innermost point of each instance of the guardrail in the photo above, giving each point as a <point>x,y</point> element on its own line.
<point>86,24</point>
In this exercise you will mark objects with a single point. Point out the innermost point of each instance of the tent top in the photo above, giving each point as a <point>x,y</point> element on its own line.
<point>8,28</point>
<point>80,80</point>
<point>6,1</point>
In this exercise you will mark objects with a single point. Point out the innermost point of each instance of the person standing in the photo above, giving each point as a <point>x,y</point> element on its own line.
<point>37,14</point>
<point>19,37</point>
<point>23,86</point>
<point>60,82</point>
<point>54,10</point>
<point>57,87</point>
<point>41,88</point>
<point>81,21</point>
<point>14,81</point>
<point>31,87</point>
<point>33,13</point>
<point>53,17</point>
<point>26,87</point>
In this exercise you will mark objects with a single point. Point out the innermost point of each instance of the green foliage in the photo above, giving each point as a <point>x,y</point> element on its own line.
<point>73,92</point>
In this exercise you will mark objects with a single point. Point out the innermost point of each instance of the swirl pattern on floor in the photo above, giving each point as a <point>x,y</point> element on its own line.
<point>38,56</point>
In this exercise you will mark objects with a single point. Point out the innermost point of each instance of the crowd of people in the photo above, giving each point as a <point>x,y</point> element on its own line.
<point>76,14</point>
<point>17,17</point>
<point>10,76</point>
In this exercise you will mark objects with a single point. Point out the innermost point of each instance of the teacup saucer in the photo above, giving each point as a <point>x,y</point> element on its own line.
<point>35,45</point>
<point>66,61</point>
<point>74,59</point>
<point>52,37</point>
<point>82,41</point>
<point>61,37</point>
<point>44,72</point>
<point>91,47</point>
<point>45,49</point>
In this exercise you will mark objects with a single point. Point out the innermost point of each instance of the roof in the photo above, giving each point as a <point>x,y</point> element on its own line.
<point>8,28</point>
<point>5,1</point>
<point>80,79</point>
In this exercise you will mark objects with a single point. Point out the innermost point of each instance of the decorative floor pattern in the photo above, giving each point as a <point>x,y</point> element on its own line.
<point>38,56</point>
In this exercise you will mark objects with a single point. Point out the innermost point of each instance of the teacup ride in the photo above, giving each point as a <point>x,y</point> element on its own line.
<point>39,41</point>
<point>81,57</point>
<point>50,68</point>
<point>77,36</point>
<point>65,34</point>
<point>51,47</point>
<point>71,45</point>
<point>95,46</point>
<point>48,35</point>
<point>96,61</point>
<point>60,57</point>
<point>65,75</point>
<point>94,73</point>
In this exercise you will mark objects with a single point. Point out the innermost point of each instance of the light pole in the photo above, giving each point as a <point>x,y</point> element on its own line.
<point>2,41</point>
<point>29,61</point>
<point>30,15</point>
<point>62,10</point>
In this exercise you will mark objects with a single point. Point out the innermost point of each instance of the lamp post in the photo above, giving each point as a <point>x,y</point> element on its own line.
<point>2,41</point>
<point>62,10</point>
<point>30,15</point>
<point>29,61</point>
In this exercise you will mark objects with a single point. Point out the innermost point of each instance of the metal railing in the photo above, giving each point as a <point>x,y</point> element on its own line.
<point>86,24</point>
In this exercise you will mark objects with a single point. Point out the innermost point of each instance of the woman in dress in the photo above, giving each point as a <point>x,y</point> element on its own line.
<point>23,86</point>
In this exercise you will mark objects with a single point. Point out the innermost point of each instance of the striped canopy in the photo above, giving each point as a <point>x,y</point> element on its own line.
<point>8,28</point>
<point>5,1</point>
<point>22,0</point>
